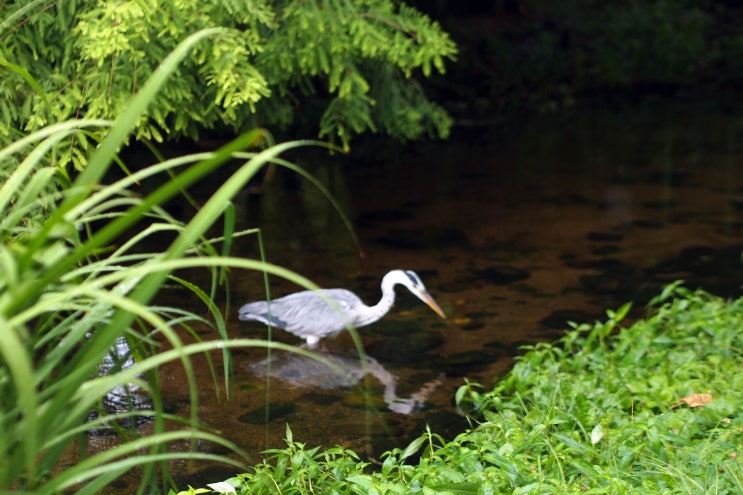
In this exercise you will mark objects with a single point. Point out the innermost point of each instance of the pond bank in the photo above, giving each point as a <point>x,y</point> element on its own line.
<point>651,408</point>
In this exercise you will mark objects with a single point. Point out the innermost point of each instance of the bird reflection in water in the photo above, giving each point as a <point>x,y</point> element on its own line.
<point>303,371</point>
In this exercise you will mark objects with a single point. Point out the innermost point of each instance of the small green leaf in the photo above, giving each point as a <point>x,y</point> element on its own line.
<point>464,488</point>
<point>414,446</point>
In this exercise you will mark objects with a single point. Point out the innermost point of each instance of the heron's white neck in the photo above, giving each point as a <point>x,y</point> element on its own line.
<point>374,313</point>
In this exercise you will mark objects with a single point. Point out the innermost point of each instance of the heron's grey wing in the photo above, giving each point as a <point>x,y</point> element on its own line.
<point>307,312</point>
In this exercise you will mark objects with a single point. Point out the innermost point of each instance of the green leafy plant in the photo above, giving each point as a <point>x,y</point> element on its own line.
<point>648,408</point>
<point>607,409</point>
<point>338,68</point>
<point>75,281</point>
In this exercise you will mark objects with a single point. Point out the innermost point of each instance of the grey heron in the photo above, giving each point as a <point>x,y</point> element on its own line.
<point>312,316</point>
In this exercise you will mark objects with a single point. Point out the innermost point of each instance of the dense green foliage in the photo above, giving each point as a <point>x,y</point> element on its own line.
<point>632,42</point>
<point>600,411</point>
<point>605,411</point>
<point>549,52</point>
<point>335,68</point>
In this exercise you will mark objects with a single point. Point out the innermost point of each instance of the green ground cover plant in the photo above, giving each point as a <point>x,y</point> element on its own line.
<point>651,407</point>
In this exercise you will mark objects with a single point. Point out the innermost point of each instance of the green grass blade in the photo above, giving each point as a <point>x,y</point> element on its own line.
<point>18,16</point>
<point>20,365</point>
<point>28,77</point>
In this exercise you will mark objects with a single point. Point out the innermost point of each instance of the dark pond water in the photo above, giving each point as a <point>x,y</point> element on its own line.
<point>515,228</point>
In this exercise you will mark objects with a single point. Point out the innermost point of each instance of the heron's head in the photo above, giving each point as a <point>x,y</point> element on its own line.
<point>413,282</point>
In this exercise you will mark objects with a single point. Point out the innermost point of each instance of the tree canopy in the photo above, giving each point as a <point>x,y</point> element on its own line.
<point>337,67</point>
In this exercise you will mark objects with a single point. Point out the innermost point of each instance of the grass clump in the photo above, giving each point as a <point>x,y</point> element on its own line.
<point>651,408</point>
<point>78,284</point>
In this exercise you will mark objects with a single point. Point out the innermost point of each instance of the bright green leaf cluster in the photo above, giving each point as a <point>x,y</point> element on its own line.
<point>343,68</point>
<point>602,411</point>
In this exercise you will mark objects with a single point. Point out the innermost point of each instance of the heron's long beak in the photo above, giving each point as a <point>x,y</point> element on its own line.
<point>426,298</point>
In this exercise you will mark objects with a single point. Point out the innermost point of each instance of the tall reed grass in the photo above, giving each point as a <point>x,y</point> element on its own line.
<point>74,280</point>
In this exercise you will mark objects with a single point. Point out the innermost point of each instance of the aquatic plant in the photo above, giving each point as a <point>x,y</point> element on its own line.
<point>652,407</point>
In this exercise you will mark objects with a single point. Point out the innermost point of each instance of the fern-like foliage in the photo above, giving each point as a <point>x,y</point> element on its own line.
<point>358,63</point>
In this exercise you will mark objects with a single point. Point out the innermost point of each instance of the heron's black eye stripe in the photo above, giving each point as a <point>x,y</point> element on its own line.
<point>413,277</point>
